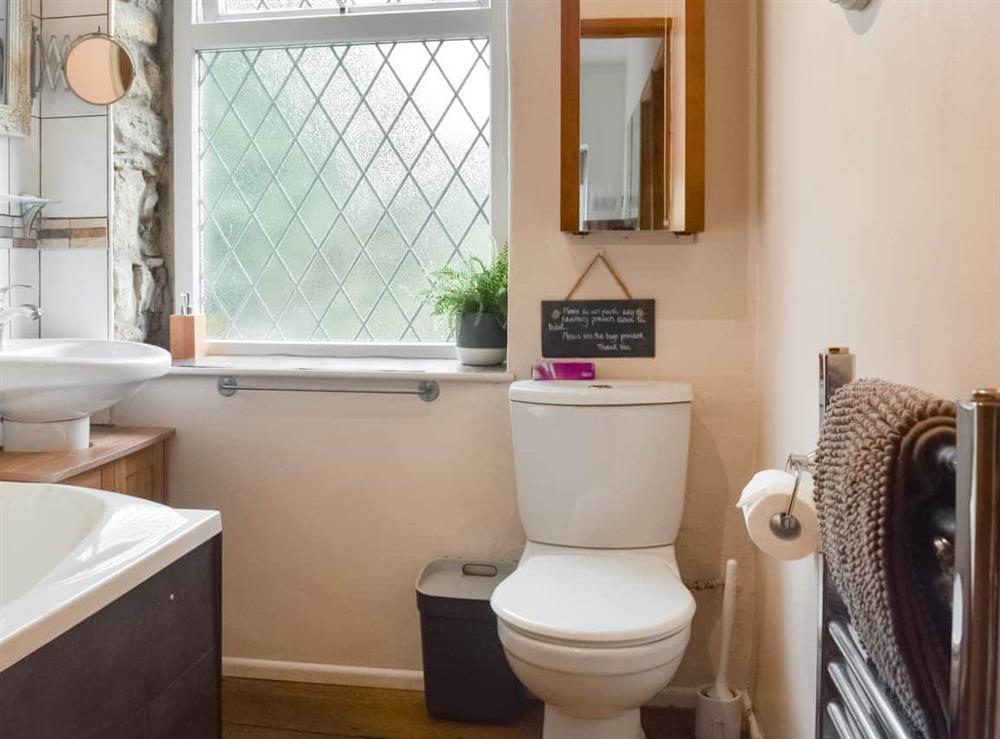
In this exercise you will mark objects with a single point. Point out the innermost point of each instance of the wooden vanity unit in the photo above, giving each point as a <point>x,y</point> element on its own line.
<point>122,459</point>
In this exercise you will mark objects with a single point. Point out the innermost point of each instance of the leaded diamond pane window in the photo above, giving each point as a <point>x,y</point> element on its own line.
<point>334,179</point>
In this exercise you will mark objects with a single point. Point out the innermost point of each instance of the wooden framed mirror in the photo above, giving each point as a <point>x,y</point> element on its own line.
<point>15,63</point>
<point>633,116</point>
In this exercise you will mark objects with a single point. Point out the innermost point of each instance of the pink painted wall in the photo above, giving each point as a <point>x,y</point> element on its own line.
<point>878,230</point>
<point>332,504</point>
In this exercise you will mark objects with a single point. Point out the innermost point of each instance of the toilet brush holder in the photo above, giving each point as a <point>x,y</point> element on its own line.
<point>718,718</point>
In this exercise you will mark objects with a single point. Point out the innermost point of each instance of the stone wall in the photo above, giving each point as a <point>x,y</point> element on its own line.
<point>141,232</point>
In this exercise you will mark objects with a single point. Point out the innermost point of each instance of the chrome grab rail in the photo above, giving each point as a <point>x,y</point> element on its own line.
<point>427,390</point>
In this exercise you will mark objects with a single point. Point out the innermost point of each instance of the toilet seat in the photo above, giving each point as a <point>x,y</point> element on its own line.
<point>603,661</point>
<point>604,600</point>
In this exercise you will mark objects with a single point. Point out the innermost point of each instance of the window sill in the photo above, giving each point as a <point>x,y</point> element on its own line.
<point>341,368</point>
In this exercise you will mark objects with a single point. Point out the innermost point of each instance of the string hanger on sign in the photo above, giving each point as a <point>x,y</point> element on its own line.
<point>599,257</point>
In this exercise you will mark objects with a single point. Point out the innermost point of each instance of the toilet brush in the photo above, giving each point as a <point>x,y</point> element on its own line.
<point>719,709</point>
<point>722,691</point>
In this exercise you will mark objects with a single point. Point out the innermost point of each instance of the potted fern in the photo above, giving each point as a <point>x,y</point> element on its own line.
<point>473,298</point>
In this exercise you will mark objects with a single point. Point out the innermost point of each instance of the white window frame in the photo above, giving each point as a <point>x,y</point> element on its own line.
<point>210,10</point>
<point>192,35</point>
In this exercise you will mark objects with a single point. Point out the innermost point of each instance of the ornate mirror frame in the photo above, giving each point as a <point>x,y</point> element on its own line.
<point>15,114</point>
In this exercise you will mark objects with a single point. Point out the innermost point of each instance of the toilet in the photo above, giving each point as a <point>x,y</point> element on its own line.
<point>595,619</point>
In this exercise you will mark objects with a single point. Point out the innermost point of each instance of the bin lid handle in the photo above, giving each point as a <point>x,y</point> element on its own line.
<point>479,570</point>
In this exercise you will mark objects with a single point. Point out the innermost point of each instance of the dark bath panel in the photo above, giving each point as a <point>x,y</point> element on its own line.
<point>146,666</point>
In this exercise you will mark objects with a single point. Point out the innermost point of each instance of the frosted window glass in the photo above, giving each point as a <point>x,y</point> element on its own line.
<point>334,179</point>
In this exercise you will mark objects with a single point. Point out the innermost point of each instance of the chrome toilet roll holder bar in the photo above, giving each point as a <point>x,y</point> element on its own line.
<point>784,524</point>
<point>836,369</point>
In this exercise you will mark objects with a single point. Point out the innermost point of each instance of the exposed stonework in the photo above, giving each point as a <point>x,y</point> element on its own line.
<point>141,231</point>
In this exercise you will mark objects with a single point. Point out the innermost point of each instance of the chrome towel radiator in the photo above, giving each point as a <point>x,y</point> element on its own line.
<point>852,701</point>
<point>976,608</point>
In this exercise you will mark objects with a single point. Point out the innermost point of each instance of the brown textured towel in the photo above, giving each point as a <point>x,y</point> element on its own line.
<point>876,470</point>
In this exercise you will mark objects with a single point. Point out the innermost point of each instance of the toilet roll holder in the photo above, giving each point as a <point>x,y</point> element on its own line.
<point>836,369</point>
<point>784,524</point>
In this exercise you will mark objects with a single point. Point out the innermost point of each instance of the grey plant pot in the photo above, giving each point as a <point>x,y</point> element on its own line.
<point>481,340</point>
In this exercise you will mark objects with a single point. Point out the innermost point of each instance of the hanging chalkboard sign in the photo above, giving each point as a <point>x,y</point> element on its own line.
<point>598,328</point>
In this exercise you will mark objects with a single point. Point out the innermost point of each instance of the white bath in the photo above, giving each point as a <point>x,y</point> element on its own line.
<point>67,552</point>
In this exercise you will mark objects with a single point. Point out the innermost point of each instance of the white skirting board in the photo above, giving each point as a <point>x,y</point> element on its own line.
<point>382,677</point>
<point>379,677</point>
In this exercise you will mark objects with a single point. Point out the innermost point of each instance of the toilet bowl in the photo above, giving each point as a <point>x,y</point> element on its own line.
<point>595,619</point>
<point>594,634</point>
<point>592,693</point>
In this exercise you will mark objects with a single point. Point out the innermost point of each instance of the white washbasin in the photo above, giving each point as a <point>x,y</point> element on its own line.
<point>61,382</point>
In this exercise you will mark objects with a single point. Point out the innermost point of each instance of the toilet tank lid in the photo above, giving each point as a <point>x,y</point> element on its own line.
<point>600,392</point>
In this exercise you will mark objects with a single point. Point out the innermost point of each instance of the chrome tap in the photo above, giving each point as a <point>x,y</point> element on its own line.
<point>32,312</point>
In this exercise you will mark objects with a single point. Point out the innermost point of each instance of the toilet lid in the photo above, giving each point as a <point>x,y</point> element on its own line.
<point>594,599</point>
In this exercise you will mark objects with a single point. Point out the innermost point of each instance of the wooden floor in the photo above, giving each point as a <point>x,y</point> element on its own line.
<point>261,709</point>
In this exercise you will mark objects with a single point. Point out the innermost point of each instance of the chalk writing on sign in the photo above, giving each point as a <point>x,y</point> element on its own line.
<point>598,328</point>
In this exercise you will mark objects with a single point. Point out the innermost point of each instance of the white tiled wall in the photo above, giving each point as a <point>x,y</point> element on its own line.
<point>5,175</point>
<point>75,166</point>
<point>21,266</point>
<point>74,292</point>
<point>67,158</point>
<point>63,8</point>
<point>25,162</point>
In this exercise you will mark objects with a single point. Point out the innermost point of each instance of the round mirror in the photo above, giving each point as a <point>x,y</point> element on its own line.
<point>99,69</point>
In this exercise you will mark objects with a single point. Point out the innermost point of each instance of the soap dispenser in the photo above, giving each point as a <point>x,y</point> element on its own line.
<point>187,331</point>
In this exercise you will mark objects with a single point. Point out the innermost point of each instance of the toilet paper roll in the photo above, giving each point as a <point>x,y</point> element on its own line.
<point>768,493</point>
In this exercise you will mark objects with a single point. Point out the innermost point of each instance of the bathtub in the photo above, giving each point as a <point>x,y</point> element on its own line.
<point>122,591</point>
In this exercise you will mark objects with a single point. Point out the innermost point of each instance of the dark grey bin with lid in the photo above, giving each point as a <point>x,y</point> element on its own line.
<point>466,675</point>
